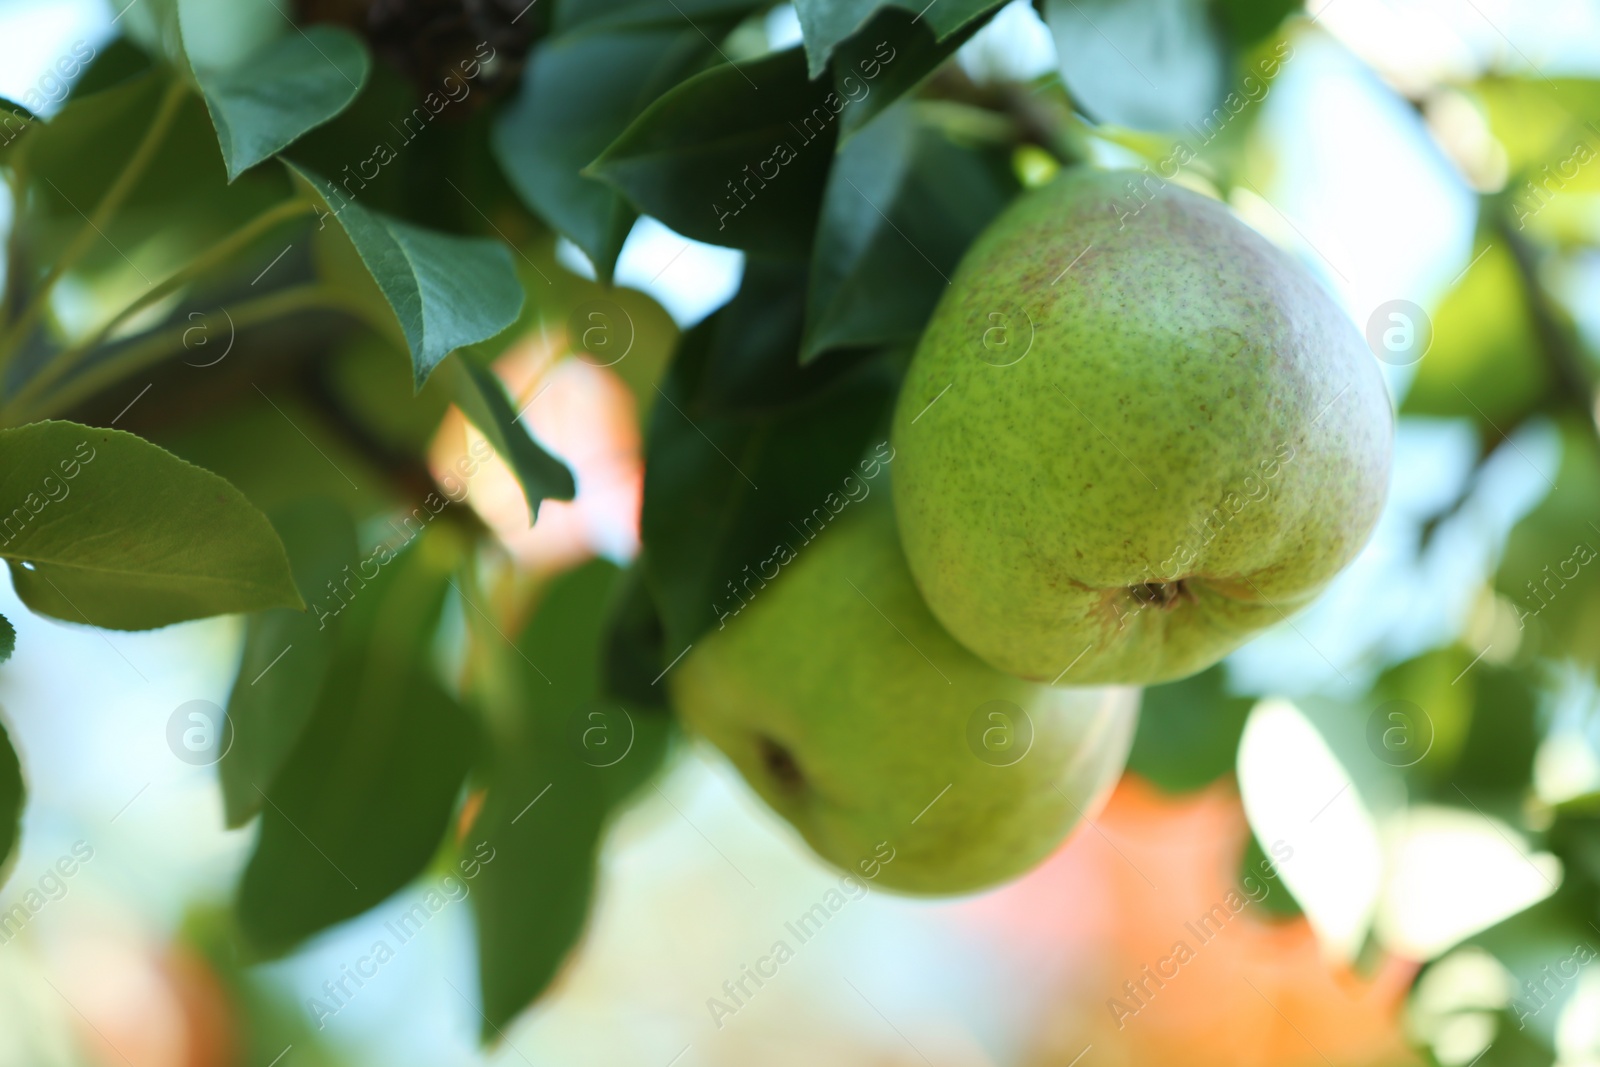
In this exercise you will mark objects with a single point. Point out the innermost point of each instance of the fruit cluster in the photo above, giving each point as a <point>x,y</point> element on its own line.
<point>957,675</point>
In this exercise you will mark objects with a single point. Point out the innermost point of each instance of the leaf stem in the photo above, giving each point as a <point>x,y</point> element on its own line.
<point>69,359</point>
<point>94,225</point>
<point>161,345</point>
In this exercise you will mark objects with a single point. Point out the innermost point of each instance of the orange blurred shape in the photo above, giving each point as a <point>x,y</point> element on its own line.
<point>1104,919</point>
<point>207,1011</point>
<point>580,413</point>
<point>141,1006</point>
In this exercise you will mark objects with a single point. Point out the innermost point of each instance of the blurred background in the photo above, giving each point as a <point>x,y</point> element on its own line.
<point>1417,755</point>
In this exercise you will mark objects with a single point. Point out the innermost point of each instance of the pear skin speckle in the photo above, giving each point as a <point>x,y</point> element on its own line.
<point>1159,436</point>
<point>874,732</point>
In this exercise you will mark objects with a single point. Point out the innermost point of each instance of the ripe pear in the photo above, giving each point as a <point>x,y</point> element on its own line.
<point>897,754</point>
<point>1133,434</point>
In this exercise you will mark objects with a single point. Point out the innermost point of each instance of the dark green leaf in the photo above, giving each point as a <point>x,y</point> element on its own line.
<point>1189,732</point>
<point>901,208</point>
<point>550,133</point>
<point>562,763</point>
<point>1274,897</point>
<point>364,799</point>
<point>825,24</point>
<point>888,59</point>
<point>8,639</point>
<point>103,527</point>
<point>13,793</point>
<point>286,655</point>
<point>1248,21</point>
<point>711,15</point>
<point>735,155</point>
<point>264,104</point>
<point>15,121</point>
<point>483,400</point>
<point>634,657</point>
<point>1145,64</point>
<point>752,362</point>
<point>724,492</point>
<point>445,291</point>
<point>118,61</point>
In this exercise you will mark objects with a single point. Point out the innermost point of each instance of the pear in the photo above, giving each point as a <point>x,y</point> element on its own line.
<point>1133,434</point>
<point>897,754</point>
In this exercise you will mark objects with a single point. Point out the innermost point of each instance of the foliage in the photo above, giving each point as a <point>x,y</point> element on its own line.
<point>300,260</point>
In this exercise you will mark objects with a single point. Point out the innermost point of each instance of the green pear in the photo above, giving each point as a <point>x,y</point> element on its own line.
<point>1133,434</point>
<point>897,754</point>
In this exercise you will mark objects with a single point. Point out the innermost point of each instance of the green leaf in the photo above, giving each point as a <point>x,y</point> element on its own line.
<point>13,793</point>
<point>900,210</point>
<point>1540,122</point>
<point>563,761</point>
<point>1484,362</point>
<point>1277,901</point>
<point>1144,64</point>
<point>286,655</point>
<point>105,528</point>
<point>296,83</point>
<point>181,206</point>
<point>633,655</point>
<point>889,58</point>
<point>825,24</point>
<point>483,400</point>
<point>445,291</point>
<point>736,155</point>
<point>364,799</point>
<point>15,121</point>
<point>639,14</point>
<point>549,133</point>
<point>8,639</point>
<point>723,492</point>
<point>752,357</point>
<point>1247,22</point>
<point>1551,568</point>
<point>1189,731</point>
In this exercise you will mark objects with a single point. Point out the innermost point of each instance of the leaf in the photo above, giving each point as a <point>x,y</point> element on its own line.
<point>105,528</point>
<point>560,767</point>
<point>633,653</point>
<point>1145,64</point>
<point>549,134</point>
<point>1188,734</point>
<point>286,655</point>
<point>483,400</point>
<point>1551,567</point>
<point>1278,902</point>
<point>1247,22</point>
<point>1483,363</point>
<point>364,799</point>
<point>15,121</point>
<point>13,794</point>
<point>636,14</point>
<point>887,59</point>
<point>445,291</point>
<point>1541,121</point>
<point>8,639</point>
<point>723,492</point>
<point>900,210</point>
<point>735,155</point>
<point>294,84</point>
<point>181,206</point>
<point>825,24</point>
